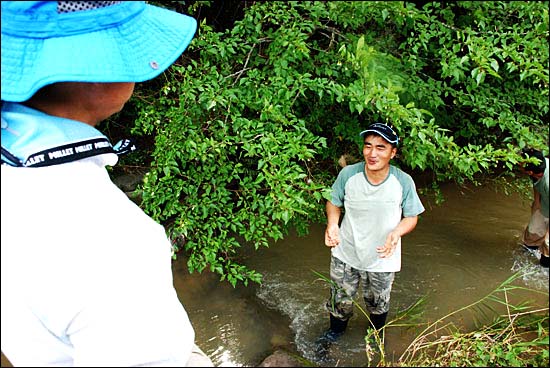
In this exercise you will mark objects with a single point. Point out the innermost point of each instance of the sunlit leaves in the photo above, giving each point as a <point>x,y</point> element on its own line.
<point>248,131</point>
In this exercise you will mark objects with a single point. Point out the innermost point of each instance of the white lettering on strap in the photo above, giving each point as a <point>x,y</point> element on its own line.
<point>83,148</point>
<point>61,153</point>
<point>36,159</point>
<point>102,144</point>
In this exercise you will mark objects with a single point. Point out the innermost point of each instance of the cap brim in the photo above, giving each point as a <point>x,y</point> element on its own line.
<point>134,51</point>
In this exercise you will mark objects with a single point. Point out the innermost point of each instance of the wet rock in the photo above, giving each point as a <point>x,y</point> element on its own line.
<point>282,358</point>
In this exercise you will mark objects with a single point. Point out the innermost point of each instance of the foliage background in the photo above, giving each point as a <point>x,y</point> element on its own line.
<point>242,136</point>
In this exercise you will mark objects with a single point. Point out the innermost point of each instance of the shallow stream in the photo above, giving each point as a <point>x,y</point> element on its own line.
<point>459,252</point>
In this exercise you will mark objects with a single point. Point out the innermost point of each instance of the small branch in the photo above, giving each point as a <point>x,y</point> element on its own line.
<point>244,67</point>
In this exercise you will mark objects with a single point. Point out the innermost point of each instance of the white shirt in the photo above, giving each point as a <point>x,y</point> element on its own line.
<point>86,274</point>
<point>371,212</point>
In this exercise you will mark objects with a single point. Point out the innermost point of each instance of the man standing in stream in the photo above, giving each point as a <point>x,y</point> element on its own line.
<point>380,206</point>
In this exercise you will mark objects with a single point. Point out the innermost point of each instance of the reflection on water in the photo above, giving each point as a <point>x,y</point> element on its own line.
<point>459,252</point>
<point>231,326</point>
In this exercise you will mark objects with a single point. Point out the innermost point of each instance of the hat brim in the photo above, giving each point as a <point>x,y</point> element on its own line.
<point>133,51</point>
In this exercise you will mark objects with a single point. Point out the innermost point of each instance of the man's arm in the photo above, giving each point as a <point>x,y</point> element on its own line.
<point>332,233</point>
<point>405,226</point>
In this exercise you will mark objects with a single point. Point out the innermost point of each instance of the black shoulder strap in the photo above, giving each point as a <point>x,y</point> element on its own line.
<point>70,152</point>
<point>8,158</point>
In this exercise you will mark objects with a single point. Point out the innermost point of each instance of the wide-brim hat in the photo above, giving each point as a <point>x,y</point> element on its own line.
<point>44,42</point>
<point>383,130</point>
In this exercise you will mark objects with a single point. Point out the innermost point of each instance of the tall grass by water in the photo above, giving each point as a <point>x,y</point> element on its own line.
<point>517,337</point>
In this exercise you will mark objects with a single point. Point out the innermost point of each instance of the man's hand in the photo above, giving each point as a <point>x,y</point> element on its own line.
<point>389,246</point>
<point>332,236</point>
<point>406,225</point>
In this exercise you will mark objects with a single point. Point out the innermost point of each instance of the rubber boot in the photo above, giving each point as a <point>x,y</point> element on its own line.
<point>379,321</point>
<point>336,329</point>
<point>544,260</point>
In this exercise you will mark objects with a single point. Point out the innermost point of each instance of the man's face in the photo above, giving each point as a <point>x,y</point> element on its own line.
<point>532,174</point>
<point>377,152</point>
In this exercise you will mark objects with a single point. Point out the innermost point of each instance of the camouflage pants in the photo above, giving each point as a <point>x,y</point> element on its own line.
<point>346,279</point>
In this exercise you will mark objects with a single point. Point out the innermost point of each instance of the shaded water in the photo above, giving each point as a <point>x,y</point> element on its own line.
<point>459,252</point>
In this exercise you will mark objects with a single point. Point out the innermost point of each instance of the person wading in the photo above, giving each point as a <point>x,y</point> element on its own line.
<point>381,205</point>
<point>535,236</point>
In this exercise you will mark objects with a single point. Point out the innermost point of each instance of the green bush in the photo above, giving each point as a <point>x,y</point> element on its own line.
<point>250,122</point>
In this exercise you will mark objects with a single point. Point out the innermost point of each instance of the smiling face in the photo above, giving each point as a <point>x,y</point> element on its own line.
<point>377,152</point>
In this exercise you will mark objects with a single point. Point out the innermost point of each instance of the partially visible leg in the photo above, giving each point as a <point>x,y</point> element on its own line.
<point>544,256</point>
<point>345,282</point>
<point>377,288</point>
<point>536,233</point>
<point>340,304</point>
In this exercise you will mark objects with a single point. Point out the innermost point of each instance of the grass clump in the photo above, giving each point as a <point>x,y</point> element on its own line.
<point>517,338</point>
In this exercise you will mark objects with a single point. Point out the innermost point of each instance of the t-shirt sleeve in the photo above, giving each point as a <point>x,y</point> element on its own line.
<point>339,187</point>
<point>411,203</point>
<point>337,193</point>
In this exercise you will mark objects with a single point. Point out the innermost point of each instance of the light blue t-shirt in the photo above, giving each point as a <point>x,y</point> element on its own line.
<point>371,212</point>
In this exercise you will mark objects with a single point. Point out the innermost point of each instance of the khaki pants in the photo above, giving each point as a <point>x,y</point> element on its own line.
<point>536,232</point>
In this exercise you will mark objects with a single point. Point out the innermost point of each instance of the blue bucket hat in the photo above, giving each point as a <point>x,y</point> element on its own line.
<point>382,130</point>
<point>44,42</point>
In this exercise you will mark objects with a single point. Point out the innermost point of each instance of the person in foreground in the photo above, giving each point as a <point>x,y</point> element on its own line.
<point>535,235</point>
<point>86,274</point>
<point>381,205</point>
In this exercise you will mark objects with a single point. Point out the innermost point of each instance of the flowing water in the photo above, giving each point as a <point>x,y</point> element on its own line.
<point>458,253</point>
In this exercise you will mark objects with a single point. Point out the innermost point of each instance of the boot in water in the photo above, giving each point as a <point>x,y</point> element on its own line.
<point>336,329</point>
<point>378,322</point>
